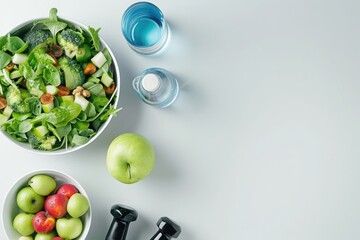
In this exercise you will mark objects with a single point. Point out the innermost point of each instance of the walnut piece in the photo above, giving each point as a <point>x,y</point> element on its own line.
<point>80,91</point>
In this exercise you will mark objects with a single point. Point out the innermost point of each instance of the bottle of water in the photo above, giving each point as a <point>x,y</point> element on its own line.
<point>157,87</point>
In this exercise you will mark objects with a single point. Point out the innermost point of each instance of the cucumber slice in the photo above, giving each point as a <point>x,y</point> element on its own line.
<point>40,131</point>
<point>47,107</point>
<point>19,58</point>
<point>83,54</point>
<point>82,102</point>
<point>99,59</point>
<point>106,80</point>
<point>3,119</point>
<point>69,98</point>
<point>36,92</point>
<point>7,111</point>
<point>52,89</point>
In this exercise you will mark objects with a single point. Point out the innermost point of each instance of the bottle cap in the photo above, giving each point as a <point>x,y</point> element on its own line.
<point>151,82</point>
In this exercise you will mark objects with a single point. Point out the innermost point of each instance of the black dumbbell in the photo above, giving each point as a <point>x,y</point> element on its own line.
<point>167,229</point>
<point>123,216</point>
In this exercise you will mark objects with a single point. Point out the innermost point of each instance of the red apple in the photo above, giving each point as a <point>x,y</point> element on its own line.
<point>57,238</point>
<point>56,205</point>
<point>43,222</point>
<point>67,189</point>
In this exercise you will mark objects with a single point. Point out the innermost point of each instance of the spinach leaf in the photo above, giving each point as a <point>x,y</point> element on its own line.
<point>74,110</point>
<point>99,102</point>
<point>58,115</point>
<point>64,131</point>
<point>27,71</point>
<point>51,75</point>
<point>90,110</point>
<point>13,44</point>
<point>78,140</point>
<point>3,41</point>
<point>21,116</point>
<point>34,105</point>
<point>53,24</point>
<point>25,126</point>
<point>5,59</point>
<point>81,125</point>
<point>42,57</point>
<point>35,85</point>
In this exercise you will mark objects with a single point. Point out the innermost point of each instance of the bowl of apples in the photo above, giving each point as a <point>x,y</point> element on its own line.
<point>46,204</point>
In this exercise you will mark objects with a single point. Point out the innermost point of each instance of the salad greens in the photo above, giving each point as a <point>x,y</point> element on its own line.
<point>48,96</point>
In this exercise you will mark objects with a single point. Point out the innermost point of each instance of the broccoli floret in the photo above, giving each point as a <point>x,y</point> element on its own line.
<point>73,72</point>
<point>15,99</point>
<point>47,143</point>
<point>70,40</point>
<point>36,37</point>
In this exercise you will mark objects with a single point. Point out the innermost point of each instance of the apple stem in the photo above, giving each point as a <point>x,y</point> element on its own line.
<point>129,170</point>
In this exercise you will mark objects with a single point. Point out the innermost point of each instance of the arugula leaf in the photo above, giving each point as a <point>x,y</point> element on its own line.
<point>95,37</point>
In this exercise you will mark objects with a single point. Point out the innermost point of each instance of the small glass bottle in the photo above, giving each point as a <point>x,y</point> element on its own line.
<point>157,87</point>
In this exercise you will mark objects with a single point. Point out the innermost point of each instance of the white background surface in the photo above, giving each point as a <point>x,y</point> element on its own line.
<point>263,141</point>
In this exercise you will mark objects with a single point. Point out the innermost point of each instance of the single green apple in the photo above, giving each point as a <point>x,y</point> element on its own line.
<point>45,236</point>
<point>130,158</point>
<point>69,228</point>
<point>29,201</point>
<point>42,184</point>
<point>22,223</point>
<point>78,205</point>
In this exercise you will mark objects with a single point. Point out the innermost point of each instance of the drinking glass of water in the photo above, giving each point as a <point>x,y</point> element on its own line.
<point>145,29</point>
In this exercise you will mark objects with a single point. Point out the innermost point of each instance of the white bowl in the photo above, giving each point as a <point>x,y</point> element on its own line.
<point>10,208</point>
<point>114,67</point>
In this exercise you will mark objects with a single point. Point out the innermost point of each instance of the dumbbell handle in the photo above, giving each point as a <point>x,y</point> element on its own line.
<point>160,236</point>
<point>117,231</point>
<point>123,216</point>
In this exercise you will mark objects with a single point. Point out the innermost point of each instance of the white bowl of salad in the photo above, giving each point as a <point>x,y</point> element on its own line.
<point>59,85</point>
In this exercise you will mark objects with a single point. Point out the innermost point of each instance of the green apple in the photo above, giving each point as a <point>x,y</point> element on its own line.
<point>77,205</point>
<point>22,223</point>
<point>69,228</point>
<point>29,201</point>
<point>45,236</point>
<point>26,238</point>
<point>130,158</point>
<point>42,184</point>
